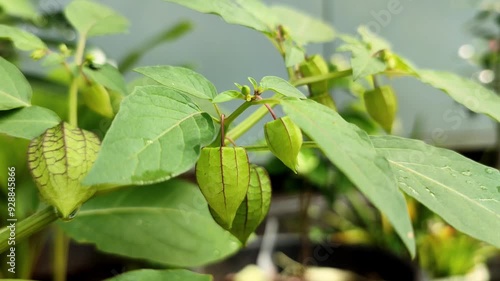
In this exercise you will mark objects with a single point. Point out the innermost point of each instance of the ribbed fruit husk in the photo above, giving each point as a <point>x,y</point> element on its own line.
<point>284,139</point>
<point>223,175</point>
<point>254,208</point>
<point>59,159</point>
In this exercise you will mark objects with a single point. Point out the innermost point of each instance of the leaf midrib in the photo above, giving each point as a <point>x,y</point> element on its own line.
<point>175,125</point>
<point>17,98</point>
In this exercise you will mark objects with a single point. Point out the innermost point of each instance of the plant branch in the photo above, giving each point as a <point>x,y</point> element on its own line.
<point>222,125</point>
<point>217,110</point>
<point>323,77</point>
<point>80,48</point>
<point>60,258</point>
<point>270,111</point>
<point>256,116</point>
<point>248,123</point>
<point>237,112</point>
<point>264,147</point>
<point>258,98</point>
<point>73,103</point>
<point>73,89</point>
<point>28,227</point>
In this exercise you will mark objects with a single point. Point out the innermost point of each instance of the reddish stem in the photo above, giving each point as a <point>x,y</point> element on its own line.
<point>270,111</point>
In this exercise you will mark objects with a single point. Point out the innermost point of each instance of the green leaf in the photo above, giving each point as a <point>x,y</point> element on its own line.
<point>351,40</point>
<point>181,79</point>
<point>362,62</point>
<point>21,39</point>
<point>161,275</point>
<point>469,93</point>
<point>108,76</point>
<point>223,174</point>
<point>294,54</point>
<point>350,149</point>
<point>303,28</point>
<point>168,223</point>
<point>28,122</point>
<point>228,96</point>
<point>280,86</point>
<point>250,13</point>
<point>382,106</point>
<point>254,83</point>
<point>374,42</point>
<point>15,91</point>
<point>256,15</point>
<point>463,192</point>
<point>93,19</point>
<point>398,65</point>
<point>59,160</point>
<point>156,135</point>
<point>19,8</point>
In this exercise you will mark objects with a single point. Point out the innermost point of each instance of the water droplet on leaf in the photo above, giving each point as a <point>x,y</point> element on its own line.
<point>466,173</point>
<point>483,187</point>
<point>71,216</point>
<point>430,192</point>
<point>446,167</point>
<point>489,170</point>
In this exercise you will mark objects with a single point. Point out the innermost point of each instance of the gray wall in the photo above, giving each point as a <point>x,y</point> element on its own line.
<point>428,32</point>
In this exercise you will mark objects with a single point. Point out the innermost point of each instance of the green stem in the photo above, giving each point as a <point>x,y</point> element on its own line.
<point>73,103</point>
<point>73,88</point>
<point>264,147</point>
<point>291,73</point>
<point>237,112</point>
<point>227,122</point>
<point>27,227</point>
<point>322,77</point>
<point>248,123</point>
<point>80,48</point>
<point>256,116</point>
<point>217,109</point>
<point>60,258</point>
